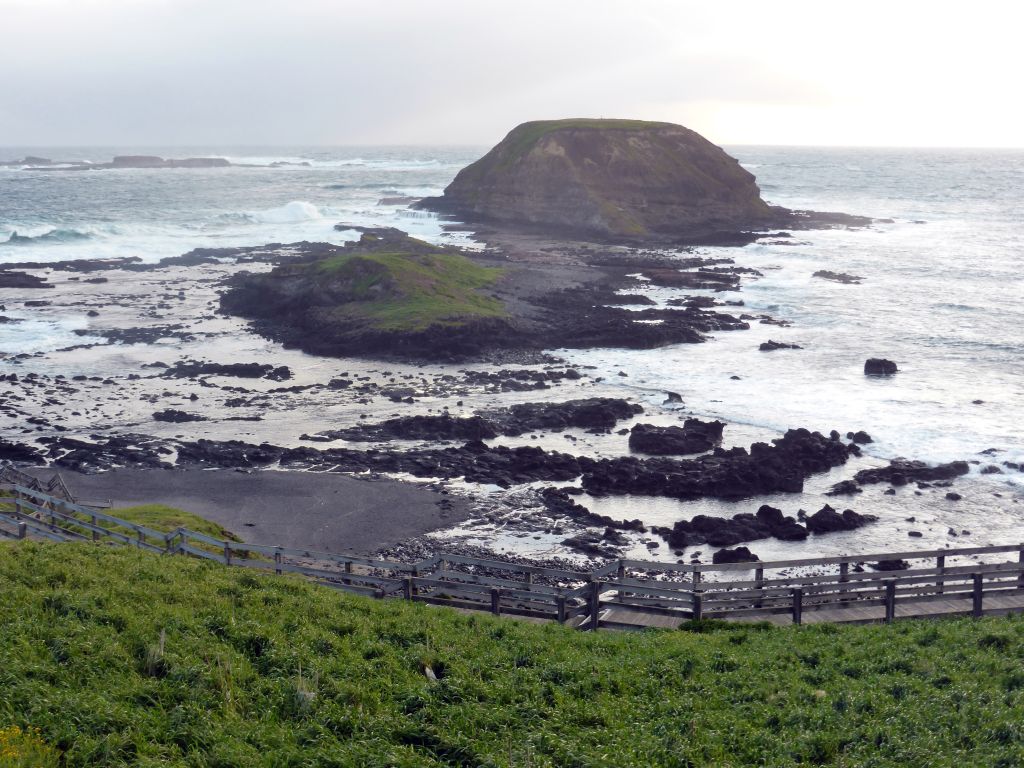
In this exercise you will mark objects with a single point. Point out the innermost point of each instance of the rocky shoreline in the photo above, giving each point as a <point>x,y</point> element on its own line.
<point>162,380</point>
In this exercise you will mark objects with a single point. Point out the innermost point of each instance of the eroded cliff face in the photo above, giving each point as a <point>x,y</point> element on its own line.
<point>616,179</point>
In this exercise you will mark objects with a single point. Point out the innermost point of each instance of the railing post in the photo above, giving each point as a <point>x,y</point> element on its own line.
<point>415,573</point>
<point>698,606</point>
<point>529,579</point>
<point>227,553</point>
<point>621,571</point>
<point>495,601</point>
<point>977,595</point>
<point>844,576</point>
<point>759,578</point>
<point>560,606</point>
<point>595,604</point>
<point>141,538</point>
<point>798,605</point>
<point>22,530</point>
<point>183,542</point>
<point>1020,566</point>
<point>95,534</point>
<point>277,561</point>
<point>407,588</point>
<point>940,581</point>
<point>890,601</point>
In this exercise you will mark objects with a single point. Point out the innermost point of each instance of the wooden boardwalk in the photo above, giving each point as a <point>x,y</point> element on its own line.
<point>623,594</point>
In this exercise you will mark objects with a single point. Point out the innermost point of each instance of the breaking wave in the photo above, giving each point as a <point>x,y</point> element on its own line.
<point>53,236</point>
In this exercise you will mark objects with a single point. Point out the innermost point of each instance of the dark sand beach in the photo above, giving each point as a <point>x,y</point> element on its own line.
<point>327,512</point>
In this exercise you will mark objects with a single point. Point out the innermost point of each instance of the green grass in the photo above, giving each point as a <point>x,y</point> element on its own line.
<point>123,658</point>
<point>523,137</point>
<point>412,291</point>
<point>160,517</point>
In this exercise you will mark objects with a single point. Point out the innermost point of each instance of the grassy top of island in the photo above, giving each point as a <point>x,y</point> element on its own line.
<point>121,657</point>
<point>404,290</point>
<point>387,293</point>
<point>522,138</point>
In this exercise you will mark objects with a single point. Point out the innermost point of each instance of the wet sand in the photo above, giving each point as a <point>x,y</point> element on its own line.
<point>327,512</point>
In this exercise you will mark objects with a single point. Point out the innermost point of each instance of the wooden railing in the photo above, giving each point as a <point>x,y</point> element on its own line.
<point>623,594</point>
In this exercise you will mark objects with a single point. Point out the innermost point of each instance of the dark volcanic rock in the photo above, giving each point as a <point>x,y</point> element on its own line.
<point>738,555</point>
<point>558,501</point>
<point>19,454</point>
<point>876,366</point>
<point>695,436</point>
<point>596,414</point>
<point>443,427</point>
<point>176,417</point>
<point>191,369</point>
<point>845,488</point>
<point>838,277</point>
<point>9,279</point>
<point>768,522</point>
<point>890,565</point>
<point>903,471</point>
<point>771,346</point>
<point>827,520</point>
<point>618,179</point>
<point>735,473</point>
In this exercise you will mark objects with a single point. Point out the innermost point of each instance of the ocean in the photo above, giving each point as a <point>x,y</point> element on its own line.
<point>942,293</point>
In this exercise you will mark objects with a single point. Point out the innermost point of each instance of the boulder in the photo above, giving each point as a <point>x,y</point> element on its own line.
<point>738,555</point>
<point>877,366</point>
<point>827,520</point>
<point>771,346</point>
<point>695,436</point>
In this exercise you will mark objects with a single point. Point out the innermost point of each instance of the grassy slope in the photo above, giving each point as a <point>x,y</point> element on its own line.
<point>409,291</point>
<point>160,517</point>
<point>80,659</point>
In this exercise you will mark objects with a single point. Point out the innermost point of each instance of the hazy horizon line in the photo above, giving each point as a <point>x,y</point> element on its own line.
<point>364,145</point>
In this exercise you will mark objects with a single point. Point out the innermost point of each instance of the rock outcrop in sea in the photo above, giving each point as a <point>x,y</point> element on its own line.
<point>626,179</point>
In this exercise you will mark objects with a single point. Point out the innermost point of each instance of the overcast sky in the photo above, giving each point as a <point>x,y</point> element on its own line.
<point>296,72</point>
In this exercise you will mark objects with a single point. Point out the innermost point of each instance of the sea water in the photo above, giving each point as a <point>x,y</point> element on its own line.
<point>942,293</point>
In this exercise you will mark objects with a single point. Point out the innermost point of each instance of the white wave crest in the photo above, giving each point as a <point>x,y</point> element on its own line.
<point>293,212</point>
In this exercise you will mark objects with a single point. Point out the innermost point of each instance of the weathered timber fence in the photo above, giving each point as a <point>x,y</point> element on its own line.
<point>623,594</point>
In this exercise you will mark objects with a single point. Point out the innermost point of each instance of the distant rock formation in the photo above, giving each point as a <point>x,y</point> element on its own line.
<point>619,179</point>
<point>151,161</point>
<point>121,161</point>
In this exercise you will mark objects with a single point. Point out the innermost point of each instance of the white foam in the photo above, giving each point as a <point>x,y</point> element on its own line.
<point>295,211</point>
<point>43,334</point>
